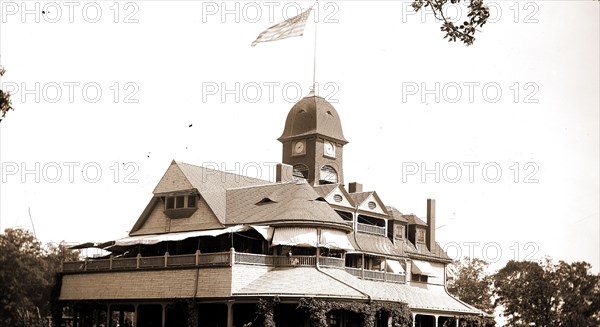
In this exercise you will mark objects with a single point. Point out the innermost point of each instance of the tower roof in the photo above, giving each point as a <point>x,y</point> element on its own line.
<point>313,115</point>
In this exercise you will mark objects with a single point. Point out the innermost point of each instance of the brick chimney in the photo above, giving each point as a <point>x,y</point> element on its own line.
<point>430,233</point>
<point>284,173</point>
<point>355,187</point>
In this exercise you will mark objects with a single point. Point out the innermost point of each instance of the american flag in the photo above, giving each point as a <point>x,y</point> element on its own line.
<point>290,27</point>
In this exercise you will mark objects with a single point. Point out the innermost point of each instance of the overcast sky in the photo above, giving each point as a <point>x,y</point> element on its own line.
<point>503,134</point>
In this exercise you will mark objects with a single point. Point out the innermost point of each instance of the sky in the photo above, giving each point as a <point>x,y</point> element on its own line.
<point>503,134</point>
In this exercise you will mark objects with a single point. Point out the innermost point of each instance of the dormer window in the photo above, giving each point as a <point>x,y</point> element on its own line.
<point>180,202</point>
<point>420,235</point>
<point>399,231</point>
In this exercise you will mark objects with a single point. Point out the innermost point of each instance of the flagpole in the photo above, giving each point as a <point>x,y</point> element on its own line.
<point>315,54</point>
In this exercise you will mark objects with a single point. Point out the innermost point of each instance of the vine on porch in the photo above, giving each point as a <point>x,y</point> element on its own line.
<point>319,309</point>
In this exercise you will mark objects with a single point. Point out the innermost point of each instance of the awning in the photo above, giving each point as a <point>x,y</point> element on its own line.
<point>157,238</point>
<point>265,231</point>
<point>295,236</point>
<point>393,266</point>
<point>335,239</point>
<point>87,245</point>
<point>423,268</point>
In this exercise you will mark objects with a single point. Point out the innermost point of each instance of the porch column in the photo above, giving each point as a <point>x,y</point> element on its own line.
<point>229,313</point>
<point>435,320</point>
<point>164,314</point>
<point>135,318</point>
<point>457,322</point>
<point>121,317</point>
<point>414,319</point>
<point>108,315</point>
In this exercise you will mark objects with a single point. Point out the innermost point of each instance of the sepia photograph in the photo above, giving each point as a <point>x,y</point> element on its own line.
<point>237,163</point>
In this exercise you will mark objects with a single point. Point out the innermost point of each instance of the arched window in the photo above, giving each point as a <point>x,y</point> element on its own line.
<point>328,175</point>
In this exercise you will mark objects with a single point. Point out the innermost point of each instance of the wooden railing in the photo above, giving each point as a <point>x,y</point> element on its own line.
<point>223,259</point>
<point>371,229</point>
<point>376,275</point>
<point>139,262</point>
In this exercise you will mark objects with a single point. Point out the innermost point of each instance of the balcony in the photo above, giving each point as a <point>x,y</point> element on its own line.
<point>381,276</point>
<point>223,259</point>
<point>371,229</point>
<point>198,259</point>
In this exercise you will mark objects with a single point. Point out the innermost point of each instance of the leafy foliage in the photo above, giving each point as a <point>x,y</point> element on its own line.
<point>318,310</point>
<point>470,321</point>
<point>525,291</point>
<point>27,276</point>
<point>5,104</point>
<point>477,16</point>
<point>472,284</point>
<point>578,294</point>
<point>547,294</point>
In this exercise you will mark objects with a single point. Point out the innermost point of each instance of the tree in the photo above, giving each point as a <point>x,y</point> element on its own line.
<point>472,284</point>
<point>578,294</point>
<point>527,293</point>
<point>27,274</point>
<point>548,294</point>
<point>5,104</point>
<point>478,14</point>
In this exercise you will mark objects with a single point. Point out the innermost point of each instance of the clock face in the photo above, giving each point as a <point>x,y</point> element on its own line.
<point>299,147</point>
<point>329,149</point>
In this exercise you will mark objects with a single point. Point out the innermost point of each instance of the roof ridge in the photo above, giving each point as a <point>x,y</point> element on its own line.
<point>221,171</point>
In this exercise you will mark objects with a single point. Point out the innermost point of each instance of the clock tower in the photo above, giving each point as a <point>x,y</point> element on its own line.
<point>313,141</point>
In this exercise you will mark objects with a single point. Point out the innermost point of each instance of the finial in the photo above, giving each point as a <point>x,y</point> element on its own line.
<point>312,91</point>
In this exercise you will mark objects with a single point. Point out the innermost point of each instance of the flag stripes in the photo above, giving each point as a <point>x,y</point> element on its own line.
<point>290,27</point>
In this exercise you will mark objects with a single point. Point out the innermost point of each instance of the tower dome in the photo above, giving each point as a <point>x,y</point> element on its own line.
<point>313,115</point>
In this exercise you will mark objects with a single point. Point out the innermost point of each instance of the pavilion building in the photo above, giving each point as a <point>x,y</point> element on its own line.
<point>213,248</point>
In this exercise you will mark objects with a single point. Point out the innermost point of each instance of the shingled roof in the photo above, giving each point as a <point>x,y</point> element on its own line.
<point>210,183</point>
<point>279,203</point>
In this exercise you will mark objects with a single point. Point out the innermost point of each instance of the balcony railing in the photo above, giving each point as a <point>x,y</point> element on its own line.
<point>376,275</point>
<point>371,229</point>
<point>198,259</point>
<point>222,259</point>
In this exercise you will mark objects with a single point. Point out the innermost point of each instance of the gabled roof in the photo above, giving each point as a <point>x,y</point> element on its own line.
<point>363,198</point>
<point>289,203</point>
<point>210,183</point>
<point>328,190</point>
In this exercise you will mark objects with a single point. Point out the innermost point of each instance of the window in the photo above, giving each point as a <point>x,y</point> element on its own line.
<point>420,236</point>
<point>419,278</point>
<point>300,171</point>
<point>328,175</point>
<point>170,203</point>
<point>399,231</point>
<point>337,198</point>
<point>191,201</point>
<point>372,205</point>
<point>180,202</point>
